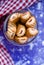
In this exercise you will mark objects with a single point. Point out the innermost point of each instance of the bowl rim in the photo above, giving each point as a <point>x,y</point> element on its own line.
<point>15,43</point>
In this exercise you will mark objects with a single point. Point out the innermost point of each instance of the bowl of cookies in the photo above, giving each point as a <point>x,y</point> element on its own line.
<point>20,28</point>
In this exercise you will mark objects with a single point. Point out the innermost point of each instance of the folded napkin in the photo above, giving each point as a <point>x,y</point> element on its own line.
<point>9,6</point>
<point>5,58</point>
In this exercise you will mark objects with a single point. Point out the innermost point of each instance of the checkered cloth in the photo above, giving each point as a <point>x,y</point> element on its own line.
<point>5,58</point>
<point>9,6</point>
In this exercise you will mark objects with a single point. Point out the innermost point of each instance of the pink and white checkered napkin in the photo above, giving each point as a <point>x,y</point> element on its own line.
<point>9,6</point>
<point>5,58</point>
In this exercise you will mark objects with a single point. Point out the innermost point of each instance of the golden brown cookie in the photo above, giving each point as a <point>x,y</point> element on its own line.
<point>31,32</point>
<point>11,31</point>
<point>25,16</point>
<point>20,30</point>
<point>10,35</point>
<point>21,40</point>
<point>14,17</point>
<point>31,22</point>
<point>12,27</point>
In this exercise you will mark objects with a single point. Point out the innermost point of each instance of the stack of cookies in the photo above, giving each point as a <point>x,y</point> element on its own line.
<point>21,27</point>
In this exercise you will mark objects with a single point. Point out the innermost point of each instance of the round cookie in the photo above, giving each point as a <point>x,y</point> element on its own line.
<point>11,31</point>
<point>31,32</point>
<point>14,17</point>
<point>31,22</point>
<point>25,16</point>
<point>10,35</point>
<point>21,40</point>
<point>20,30</point>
